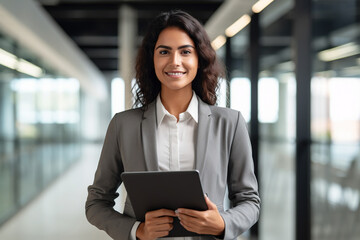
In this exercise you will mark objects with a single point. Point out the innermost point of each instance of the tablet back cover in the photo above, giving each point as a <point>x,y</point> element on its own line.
<point>150,191</point>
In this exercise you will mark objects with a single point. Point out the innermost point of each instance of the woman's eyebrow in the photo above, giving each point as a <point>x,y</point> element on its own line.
<point>163,46</point>
<point>167,47</point>
<point>186,46</point>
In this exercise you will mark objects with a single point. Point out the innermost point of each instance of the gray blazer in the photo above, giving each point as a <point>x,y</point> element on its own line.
<point>223,158</point>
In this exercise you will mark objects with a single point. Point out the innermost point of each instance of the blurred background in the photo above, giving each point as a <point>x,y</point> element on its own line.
<point>66,67</point>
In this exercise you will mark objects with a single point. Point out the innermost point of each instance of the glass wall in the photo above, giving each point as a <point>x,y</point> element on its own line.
<point>39,126</point>
<point>335,116</point>
<point>7,138</point>
<point>239,76</point>
<point>277,96</point>
<point>117,95</point>
<point>276,113</point>
<point>336,120</point>
<point>240,86</point>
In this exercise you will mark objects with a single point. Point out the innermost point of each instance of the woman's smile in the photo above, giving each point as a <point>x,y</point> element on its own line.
<point>175,74</point>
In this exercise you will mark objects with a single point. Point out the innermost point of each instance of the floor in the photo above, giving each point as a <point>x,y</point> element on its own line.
<point>58,213</point>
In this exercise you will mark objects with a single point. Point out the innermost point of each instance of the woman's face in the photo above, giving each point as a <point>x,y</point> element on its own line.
<point>175,59</point>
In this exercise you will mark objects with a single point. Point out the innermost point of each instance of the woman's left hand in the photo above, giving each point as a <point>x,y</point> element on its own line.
<point>202,222</point>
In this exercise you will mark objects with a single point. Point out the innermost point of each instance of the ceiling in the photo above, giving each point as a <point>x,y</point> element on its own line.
<point>93,24</point>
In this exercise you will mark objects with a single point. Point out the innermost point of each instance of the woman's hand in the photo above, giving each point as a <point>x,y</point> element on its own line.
<point>157,224</point>
<point>202,222</point>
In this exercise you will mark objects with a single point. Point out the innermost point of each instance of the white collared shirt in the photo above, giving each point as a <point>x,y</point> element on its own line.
<point>175,142</point>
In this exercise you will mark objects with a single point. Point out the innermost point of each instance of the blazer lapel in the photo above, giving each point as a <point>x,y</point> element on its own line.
<point>202,135</point>
<point>148,131</point>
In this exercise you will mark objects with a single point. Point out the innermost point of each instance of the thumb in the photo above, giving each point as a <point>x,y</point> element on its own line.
<point>210,204</point>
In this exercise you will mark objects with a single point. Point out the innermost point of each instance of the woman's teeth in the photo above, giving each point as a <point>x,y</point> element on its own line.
<point>175,74</point>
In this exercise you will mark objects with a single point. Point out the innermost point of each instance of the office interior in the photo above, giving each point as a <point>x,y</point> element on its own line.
<point>293,70</point>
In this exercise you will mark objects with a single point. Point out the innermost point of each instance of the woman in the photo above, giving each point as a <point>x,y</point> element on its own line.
<point>177,127</point>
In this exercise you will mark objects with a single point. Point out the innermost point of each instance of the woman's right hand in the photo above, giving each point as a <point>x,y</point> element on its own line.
<point>157,224</point>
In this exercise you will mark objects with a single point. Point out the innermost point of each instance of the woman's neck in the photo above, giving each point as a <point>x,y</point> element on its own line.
<point>176,102</point>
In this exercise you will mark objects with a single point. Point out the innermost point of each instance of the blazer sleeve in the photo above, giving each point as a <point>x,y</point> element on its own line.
<point>242,185</point>
<point>102,193</point>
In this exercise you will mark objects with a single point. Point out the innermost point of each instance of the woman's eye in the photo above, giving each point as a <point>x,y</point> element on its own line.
<point>163,52</point>
<point>186,52</point>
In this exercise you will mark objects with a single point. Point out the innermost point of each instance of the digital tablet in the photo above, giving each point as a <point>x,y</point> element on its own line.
<point>150,191</point>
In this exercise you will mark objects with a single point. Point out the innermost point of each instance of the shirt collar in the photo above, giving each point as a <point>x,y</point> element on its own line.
<point>193,109</point>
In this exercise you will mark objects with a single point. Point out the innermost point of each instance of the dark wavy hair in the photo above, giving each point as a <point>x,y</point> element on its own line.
<point>205,83</point>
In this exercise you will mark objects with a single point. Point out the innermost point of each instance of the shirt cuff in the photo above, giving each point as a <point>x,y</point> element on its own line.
<point>133,230</point>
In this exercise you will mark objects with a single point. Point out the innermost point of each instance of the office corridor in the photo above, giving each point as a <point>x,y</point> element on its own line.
<point>58,212</point>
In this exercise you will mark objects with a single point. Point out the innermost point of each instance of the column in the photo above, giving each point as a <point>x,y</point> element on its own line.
<point>254,79</point>
<point>127,49</point>
<point>303,60</point>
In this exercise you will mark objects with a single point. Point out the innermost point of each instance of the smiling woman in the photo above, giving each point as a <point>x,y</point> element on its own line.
<point>176,64</point>
<point>177,128</point>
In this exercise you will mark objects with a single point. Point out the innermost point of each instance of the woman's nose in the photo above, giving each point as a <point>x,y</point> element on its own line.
<point>175,59</point>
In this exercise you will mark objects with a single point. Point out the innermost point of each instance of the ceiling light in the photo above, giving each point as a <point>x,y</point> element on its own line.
<point>29,68</point>
<point>260,5</point>
<point>238,25</point>
<point>342,51</point>
<point>7,59</point>
<point>218,42</point>
<point>11,61</point>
